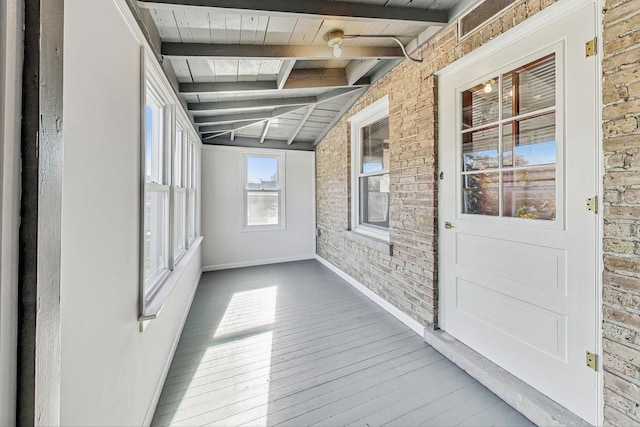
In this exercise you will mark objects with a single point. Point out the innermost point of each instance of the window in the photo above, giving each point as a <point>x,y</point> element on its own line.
<point>370,170</point>
<point>179,195</point>
<point>509,144</point>
<point>191,177</point>
<point>263,190</point>
<point>156,190</point>
<point>168,204</point>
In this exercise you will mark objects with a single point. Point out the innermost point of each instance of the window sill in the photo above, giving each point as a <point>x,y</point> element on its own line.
<point>154,306</point>
<point>380,245</point>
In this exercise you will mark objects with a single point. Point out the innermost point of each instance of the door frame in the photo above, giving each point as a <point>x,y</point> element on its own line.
<point>551,14</point>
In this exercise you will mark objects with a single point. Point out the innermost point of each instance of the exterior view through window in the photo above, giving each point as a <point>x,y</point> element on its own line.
<point>374,174</point>
<point>263,190</point>
<point>509,144</point>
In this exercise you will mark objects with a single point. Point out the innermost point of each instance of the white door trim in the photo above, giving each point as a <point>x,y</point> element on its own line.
<point>551,14</point>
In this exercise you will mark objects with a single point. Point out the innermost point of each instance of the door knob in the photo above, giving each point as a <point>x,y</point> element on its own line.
<point>448,225</point>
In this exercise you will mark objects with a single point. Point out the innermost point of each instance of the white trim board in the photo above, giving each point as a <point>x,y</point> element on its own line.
<point>231,265</point>
<point>165,371</point>
<point>412,324</point>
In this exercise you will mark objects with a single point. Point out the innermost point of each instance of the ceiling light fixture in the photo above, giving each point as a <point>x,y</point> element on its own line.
<point>336,37</point>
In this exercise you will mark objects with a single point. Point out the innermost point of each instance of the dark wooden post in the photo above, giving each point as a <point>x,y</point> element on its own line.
<point>40,211</point>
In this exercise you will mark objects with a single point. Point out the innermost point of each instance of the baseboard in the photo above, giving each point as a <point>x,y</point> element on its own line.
<point>255,263</point>
<point>412,324</point>
<point>534,405</point>
<point>165,371</point>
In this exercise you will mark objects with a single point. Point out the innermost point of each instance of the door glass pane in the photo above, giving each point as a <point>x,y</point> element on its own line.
<point>480,194</point>
<point>530,193</point>
<point>530,88</point>
<point>374,200</point>
<point>530,142</point>
<point>480,104</point>
<point>262,208</point>
<point>262,173</point>
<point>480,150</point>
<point>375,146</point>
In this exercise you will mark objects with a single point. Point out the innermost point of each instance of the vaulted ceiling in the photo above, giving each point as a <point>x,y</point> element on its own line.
<point>261,72</point>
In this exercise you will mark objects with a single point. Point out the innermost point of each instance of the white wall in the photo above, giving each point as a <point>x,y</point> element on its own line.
<point>10,107</point>
<point>110,370</point>
<point>226,245</point>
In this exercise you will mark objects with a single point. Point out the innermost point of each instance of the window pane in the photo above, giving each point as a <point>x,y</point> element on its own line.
<point>530,88</point>
<point>262,173</point>
<point>262,208</point>
<point>480,149</point>
<point>374,200</point>
<point>480,194</point>
<point>154,141</point>
<point>530,142</point>
<point>180,201</point>
<point>375,146</point>
<point>530,193</point>
<point>480,104</point>
<point>177,160</point>
<point>155,236</point>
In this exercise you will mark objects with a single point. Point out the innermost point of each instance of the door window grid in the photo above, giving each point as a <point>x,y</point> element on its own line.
<point>508,144</point>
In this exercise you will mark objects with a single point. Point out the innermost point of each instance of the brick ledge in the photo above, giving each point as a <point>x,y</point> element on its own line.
<point>370,242</point>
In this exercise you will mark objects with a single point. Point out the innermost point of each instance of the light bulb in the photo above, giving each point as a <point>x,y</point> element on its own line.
<point>337,51</point>
<point>488,88</point>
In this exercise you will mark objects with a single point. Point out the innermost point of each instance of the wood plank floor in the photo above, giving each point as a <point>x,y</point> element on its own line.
<point>294,345</point>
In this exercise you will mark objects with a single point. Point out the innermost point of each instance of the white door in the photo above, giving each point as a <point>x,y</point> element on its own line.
<point>518,246</point>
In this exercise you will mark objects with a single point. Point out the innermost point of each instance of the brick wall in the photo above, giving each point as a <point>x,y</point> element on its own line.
<point>408,278</point>
<point>621,98</point>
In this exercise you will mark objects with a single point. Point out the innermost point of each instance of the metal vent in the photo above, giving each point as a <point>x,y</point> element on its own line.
<point>479,15</point>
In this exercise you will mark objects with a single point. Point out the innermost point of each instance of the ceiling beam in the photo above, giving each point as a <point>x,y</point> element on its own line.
<point>285,72</point>
<point>312,9</point>
<point>244,117</point>
<point>244,141</point>
<point>251,104</point>
<point>301,124</point>
<point>226,87</point>
<point>265,131</point>
<point>358,69</point>
<point>228,127</point>
<point>253,51</point>
<point>298,79</point>
<point>258,103</point>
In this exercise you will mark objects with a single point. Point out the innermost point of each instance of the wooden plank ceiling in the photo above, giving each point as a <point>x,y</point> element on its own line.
<point>260,72</point>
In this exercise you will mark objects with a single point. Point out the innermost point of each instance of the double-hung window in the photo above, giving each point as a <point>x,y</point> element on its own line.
<point>156,189</point>
<point>370,170</point>
<point>263,186</point>
<point>179,194</point>
<point>191,177</point>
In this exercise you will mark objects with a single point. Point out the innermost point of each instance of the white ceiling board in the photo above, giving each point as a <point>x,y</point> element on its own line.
<point>166,24</point>
<point>201,71</point>
<point>279,30</point>
<point>253,29</point>
<point>233,24</point>
<point>181,69</point>
<point>198,22</point>
<point>217,27</point>
<point>305,31</point>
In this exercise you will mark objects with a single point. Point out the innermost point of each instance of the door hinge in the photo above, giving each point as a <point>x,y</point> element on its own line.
<point>591,47</point>
<point>592,204</point>
<point>592,361</point>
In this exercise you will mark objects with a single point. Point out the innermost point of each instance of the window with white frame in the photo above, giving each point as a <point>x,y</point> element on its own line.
<point>179,194</point>
<point>370,170</point>
<point>168,184</point>
<point>191,175</point>
<point>157,120</point>
<point>263,184</point>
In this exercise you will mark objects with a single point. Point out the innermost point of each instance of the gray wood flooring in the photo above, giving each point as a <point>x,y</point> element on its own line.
<point>294,345</point>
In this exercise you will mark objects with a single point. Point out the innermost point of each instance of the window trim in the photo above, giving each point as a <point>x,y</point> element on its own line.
<point>370,114</point>
<point>281,190</point>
